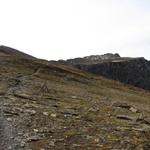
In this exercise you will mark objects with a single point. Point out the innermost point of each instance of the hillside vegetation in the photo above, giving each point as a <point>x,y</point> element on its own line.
<point>48,106</point>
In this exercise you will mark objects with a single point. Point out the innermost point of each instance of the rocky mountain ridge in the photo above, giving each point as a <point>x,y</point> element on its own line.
<point>134,71</point>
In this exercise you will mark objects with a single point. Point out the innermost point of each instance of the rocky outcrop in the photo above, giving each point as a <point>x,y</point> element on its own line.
<point>134,71</point>
<point>93,59</point>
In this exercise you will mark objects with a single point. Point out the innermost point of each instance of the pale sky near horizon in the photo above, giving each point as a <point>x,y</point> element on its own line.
<point>61,29</point>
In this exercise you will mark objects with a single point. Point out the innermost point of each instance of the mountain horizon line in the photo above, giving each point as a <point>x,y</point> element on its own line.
<point>13,50</point>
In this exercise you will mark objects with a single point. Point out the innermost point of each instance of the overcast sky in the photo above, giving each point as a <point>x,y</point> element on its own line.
<point>61,29</point>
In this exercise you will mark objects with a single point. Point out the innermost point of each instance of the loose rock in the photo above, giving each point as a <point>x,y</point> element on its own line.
<point>45,113</point>
<point>124,117</point>
<point>147,120</point>
<point>53,115</point>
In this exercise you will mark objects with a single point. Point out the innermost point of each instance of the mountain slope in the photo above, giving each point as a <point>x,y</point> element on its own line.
<point>134,71</point>
<point>45,105</point>
<point>8,51</point>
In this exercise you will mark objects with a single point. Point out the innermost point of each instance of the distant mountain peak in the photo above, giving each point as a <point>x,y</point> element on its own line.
<point>134,71</point>
<point>93,59</point>
<point>103,57</point>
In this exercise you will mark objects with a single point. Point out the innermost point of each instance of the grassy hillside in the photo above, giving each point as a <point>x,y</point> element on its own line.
<point>47,106</point>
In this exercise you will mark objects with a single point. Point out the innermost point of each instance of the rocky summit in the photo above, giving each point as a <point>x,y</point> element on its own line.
<point>134,71</point>
<point>49,106</point>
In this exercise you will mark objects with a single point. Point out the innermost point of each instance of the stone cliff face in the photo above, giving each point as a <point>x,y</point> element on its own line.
<point>134,71</point>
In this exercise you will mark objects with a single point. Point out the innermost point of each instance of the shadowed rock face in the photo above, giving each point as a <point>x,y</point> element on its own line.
<point>134,71</point>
